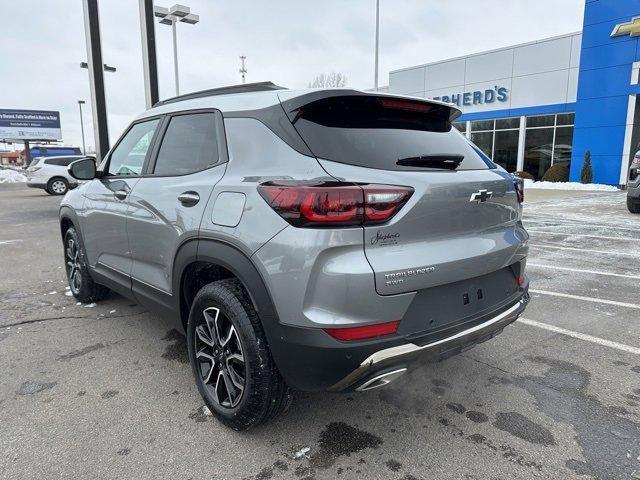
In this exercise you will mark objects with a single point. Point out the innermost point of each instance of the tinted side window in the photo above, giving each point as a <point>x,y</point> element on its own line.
<point>189,145</point>
<point>62,162</point>
<point>68,161</point>
<point>129,155</point>
<point>54,161</point>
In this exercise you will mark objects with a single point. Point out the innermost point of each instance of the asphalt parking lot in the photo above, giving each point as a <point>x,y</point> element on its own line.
<point>105,391</point>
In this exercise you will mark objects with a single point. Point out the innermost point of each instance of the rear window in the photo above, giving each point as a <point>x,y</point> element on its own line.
<point>385,133</point>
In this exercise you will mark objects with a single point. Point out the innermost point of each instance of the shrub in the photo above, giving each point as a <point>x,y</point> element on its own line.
<point>586,174</point>
<point>556,173</point>
<point>526,175</point>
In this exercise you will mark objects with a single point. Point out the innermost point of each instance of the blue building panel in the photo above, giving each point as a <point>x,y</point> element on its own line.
<point>604,82</point>
<point>598,11</point>
<point>609,55</point>
<point>609,112</point>
<point>517,112</point>
<point>604,88</point>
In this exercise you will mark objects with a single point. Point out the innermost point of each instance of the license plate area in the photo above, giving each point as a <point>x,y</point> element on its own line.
<point>443,307</point>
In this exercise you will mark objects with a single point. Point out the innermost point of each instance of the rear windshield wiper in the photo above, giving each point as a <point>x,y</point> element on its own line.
<point>441,161</point>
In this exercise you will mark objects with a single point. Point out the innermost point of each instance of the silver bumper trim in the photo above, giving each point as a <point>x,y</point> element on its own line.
<point>400,356</point>
<point>412,347</point>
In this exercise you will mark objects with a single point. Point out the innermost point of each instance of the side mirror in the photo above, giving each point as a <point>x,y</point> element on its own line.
<point>83,169</point>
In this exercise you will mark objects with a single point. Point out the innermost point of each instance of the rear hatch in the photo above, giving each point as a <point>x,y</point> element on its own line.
<point>460,221</point>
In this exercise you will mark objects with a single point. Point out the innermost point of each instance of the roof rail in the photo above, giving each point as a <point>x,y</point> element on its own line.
<point>242,88</point>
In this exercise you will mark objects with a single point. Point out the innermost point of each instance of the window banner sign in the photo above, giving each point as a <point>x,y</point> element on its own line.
<point>30,125</point>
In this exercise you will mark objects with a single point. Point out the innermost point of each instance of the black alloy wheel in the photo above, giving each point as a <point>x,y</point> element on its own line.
<point>220,358</point>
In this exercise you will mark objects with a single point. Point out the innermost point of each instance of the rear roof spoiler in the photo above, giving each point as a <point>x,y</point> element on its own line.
<point>291,101</point>
<point>211,92</point>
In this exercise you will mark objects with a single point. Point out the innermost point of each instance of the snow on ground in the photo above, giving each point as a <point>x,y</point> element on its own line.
<point>11,176</point>
<point>569,186</point>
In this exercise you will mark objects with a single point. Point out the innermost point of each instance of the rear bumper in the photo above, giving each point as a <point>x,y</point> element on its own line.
<point>395,360</point>
<point>310,360</point>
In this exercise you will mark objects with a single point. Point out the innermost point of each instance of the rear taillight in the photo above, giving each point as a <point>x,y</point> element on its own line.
<point>518,183</point>
<point>349,334</point>
<point>305,204</point>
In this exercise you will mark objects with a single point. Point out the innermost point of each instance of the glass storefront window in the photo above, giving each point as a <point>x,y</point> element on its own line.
<point>538,151</point>
<point>565,118</point>
<point>460,126</point>
<point>541,121</point>
<point>562,147</point>
<point>481,125</point>
<point>548,141</point>
<point>484,141</point>
<point>507,123</point>
<point>505,151</point>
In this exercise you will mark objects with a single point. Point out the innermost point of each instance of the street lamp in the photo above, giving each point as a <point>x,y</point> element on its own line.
<point>84,148</point>
<point>171,16</point>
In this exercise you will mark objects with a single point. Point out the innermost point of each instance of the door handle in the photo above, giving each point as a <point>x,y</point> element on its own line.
<point>120,194</point>
<point>189,199</point>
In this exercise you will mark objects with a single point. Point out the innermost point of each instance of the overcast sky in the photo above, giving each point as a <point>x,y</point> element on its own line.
<point>286,41</point>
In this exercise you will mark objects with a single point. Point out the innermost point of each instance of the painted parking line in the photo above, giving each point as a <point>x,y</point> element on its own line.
<point>581,336</point>
<point>556,222</point>
<point>578,270</point>
<point>537,231</point>
<point>578,249</point>
<point>586,299</point>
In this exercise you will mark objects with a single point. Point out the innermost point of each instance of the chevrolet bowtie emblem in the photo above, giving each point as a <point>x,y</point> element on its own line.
<point>480,196</point>
<point>629,28</point>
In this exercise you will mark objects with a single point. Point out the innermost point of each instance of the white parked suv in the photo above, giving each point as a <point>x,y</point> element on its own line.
<point>50,174</point>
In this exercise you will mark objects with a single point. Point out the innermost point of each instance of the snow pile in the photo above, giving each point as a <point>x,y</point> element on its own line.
<point>569,186</point>
<point>11,176</point>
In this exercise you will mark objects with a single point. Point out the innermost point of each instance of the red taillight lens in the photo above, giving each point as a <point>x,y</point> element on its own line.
<point>334,203</point>
<point>521,280</point>
<point>348,334</point>
<point>518,183</point>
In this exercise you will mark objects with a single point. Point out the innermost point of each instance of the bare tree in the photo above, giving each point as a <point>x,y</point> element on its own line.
<point>332,80</point>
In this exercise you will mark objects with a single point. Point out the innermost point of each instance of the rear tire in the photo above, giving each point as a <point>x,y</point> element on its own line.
<point>57,186</point>
<point>80,282</point>
<point>633,205</point>
<point>230,358</point>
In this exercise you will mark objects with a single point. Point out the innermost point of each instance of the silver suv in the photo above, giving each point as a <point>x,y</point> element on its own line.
<point>311,240</point>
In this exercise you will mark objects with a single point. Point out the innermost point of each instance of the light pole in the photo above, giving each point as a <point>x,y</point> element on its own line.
<point>171,16</point>
<point>375,82</point>
<point>84,148</point>
<point>243,68</point>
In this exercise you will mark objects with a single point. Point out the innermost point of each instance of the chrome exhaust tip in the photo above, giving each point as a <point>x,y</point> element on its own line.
<point>381,380</point>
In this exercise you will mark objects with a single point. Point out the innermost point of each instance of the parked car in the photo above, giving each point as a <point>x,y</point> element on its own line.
<point>311,240</point>
<point>50,173</point>
<point>633,185</point>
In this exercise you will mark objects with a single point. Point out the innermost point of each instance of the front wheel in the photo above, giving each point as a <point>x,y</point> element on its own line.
<point>633,205</point>
<point>230,359</point>
<point>80,282</point>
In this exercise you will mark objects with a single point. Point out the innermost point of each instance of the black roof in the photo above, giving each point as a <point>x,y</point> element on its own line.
<point>242,88</point>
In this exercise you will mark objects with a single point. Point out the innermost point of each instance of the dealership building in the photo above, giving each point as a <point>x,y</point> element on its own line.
<point>538,104</point>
